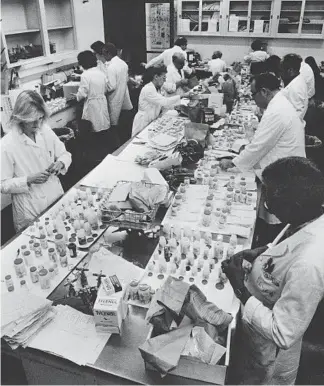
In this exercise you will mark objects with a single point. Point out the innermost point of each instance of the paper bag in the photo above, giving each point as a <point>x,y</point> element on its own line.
<point>163,351</point>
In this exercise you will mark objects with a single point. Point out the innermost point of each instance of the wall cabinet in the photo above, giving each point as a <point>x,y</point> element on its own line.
<point>36,28</point>
<point>254,18</point>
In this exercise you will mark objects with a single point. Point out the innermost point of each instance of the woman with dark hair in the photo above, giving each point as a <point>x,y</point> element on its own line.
<point>319,80</point>
<point>151,101</point>
<point>257,57</point>
<point>93,87</point>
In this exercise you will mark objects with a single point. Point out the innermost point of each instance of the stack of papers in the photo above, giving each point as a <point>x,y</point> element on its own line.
<point>163,142</point>
<point>23,316</point>
<point>71,335</point>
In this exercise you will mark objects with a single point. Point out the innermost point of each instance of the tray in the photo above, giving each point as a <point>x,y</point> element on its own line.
<point>64,206</point>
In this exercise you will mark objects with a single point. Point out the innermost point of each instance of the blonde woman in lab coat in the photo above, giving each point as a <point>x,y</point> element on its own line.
<point>151,101</point>
<point>31,157</point>
<point>93,87</point>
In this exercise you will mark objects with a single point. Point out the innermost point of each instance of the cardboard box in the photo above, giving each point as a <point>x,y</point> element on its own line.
<point>191,368</point>
<point>109,311</point>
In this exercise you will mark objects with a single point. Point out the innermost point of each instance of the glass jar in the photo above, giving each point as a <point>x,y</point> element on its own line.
<point>19,267</point>
<point>133,290</point>
<point>178,198</point>
<point>38,250</point>
<point>44,279</point>
<point>23,248</point>
<point>51,273</point>
<point>41,231</point>
<point>63,259</point>
<point>206,220</point>
<point>185,245</point>
<point>230,193</point>
<point>144,293</point>
<point>243,187</point>
<point>228,207</point>
<point>182,188</point>
<point>199,178</point>
<point>49,229</point>
<point>59,243</point>
<point>81,237</point>
<point>209,206</point>
<point>31,244</point>
<point>27,258</point>
<point>196,248</point>
<point>33,274</point>
<point>52,255</point>
<point>87,228</point>
<point>56,269</point>
<point>23,285</point>
<point>72,250</point>
<point>243,198</point>
<point>232,182</point>
<point>93,220</point>
<point>174,209</point>
<point>43,242</point>
<point>206,271</point>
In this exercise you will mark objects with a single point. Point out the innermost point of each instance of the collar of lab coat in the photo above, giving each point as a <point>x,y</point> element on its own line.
<point>23,138</point>
<point>174,69</point>
<point>312,229</point>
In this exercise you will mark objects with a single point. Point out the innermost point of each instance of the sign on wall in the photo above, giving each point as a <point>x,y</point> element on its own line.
<point>157,26</point>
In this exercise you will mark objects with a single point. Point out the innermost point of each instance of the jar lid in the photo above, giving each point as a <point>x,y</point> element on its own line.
<point>237,191</point>
<point>230,189</point>
<point>42,237</point>
<point>36,245</point>
<point>51,270</point>
<point>26,253</point>
<point>143,287</point>
<point>22,282</point>
<point>47,223</point>
<point>51,250</point>
<point>59,236</point>
<point>63,253</point>
<point>42,272</point>
<point>23,246</point>
<point>8,277</point>
<point>207,212</point>
<point>11,288</point>
<point>18,261</point>
<point>33,269</point>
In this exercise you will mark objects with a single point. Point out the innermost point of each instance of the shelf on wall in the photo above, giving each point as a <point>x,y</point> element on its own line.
<point>22,31</point>
<point>59,27</point>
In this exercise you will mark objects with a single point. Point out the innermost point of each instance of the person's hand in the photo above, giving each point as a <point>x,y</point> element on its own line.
<point>233,269</point>
<point>55,167</point>
<point>184,82</point>
<point>73,96</point>
<point>186,95</point>
<point>250,254</point>
<point>226,164</point>
<point>38,178</point>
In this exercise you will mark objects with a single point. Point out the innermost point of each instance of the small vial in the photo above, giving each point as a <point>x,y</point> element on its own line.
<point>206,220</point>
<point>56,269</point>
<point>190,258</point>
<point>87,228</point>
<point>52,255</point>
<point>38,250</point>
<point>23,285</point>
<point>31,244</point>
<point>206,272</point>
<point>185,245</point>
<point>63,259</point>
<point>72,250</point>
<point>41,231</point>
<point>249,199</point>
<point>43,242</point>
<point>232,182</point>
<point>199,178</point>
<point>243,187</point>
<point>81,237</point>
<point>23,248</point>
<point>44,279</point>
<point>33,274</point>
<point>237,196</point>
<point>174,209</point>
<point>172,244</point>
<point>196,248</point>
<point>9,281</point>
<point>51,273</point>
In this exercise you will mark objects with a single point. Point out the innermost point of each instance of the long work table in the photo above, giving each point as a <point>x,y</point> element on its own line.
<point>120,361</point>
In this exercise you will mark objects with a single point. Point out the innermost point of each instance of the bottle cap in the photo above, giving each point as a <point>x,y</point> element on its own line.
<point>18,261</point>
<point>33,269</point>
<point>43,272</point>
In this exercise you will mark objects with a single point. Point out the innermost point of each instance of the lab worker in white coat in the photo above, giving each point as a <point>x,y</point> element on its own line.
<point>280,132</point>
<point>93,89</point>
<point>217,64</point>
<point>117,77</point>
<point>280,294</point>
<point>151,101</point>
<point>295,85</point>
<point>176,82</point>
<point>307,73</point>
<point>31,157</point>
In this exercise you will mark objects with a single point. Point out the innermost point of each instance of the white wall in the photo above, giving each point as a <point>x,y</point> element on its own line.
<point>234,48</point>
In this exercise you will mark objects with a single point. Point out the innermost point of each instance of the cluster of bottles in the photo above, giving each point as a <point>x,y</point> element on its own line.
<point>183,252</point>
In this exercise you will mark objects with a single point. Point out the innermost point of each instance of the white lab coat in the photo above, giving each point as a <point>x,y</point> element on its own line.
<point>297,94</point>
<point>307,73</point>
<point>172,77</point>
<point>166,58</point>
<point>150,105</point>
<point>280,134</point>
<point>21,157</point>
<point>256,56</point>
<point>285,294</point>
<point>93,87</point>
<point>216,66</point>
<point>118,94</point>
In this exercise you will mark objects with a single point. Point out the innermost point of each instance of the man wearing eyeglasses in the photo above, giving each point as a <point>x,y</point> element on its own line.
<point>280,134</point>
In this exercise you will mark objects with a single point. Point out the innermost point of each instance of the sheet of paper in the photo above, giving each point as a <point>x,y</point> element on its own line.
<point>233,23</point>
<point>69,331</point>
<point>110,171</point>
<point>258,26</point>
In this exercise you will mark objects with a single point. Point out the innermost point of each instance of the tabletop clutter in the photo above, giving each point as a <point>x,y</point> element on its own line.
<point>190,303</point>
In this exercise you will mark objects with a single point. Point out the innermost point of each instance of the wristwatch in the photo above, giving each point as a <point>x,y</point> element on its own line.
<point>239,292</point>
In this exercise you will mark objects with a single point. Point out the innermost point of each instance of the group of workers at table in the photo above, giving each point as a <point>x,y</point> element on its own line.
<point>285,285</point>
